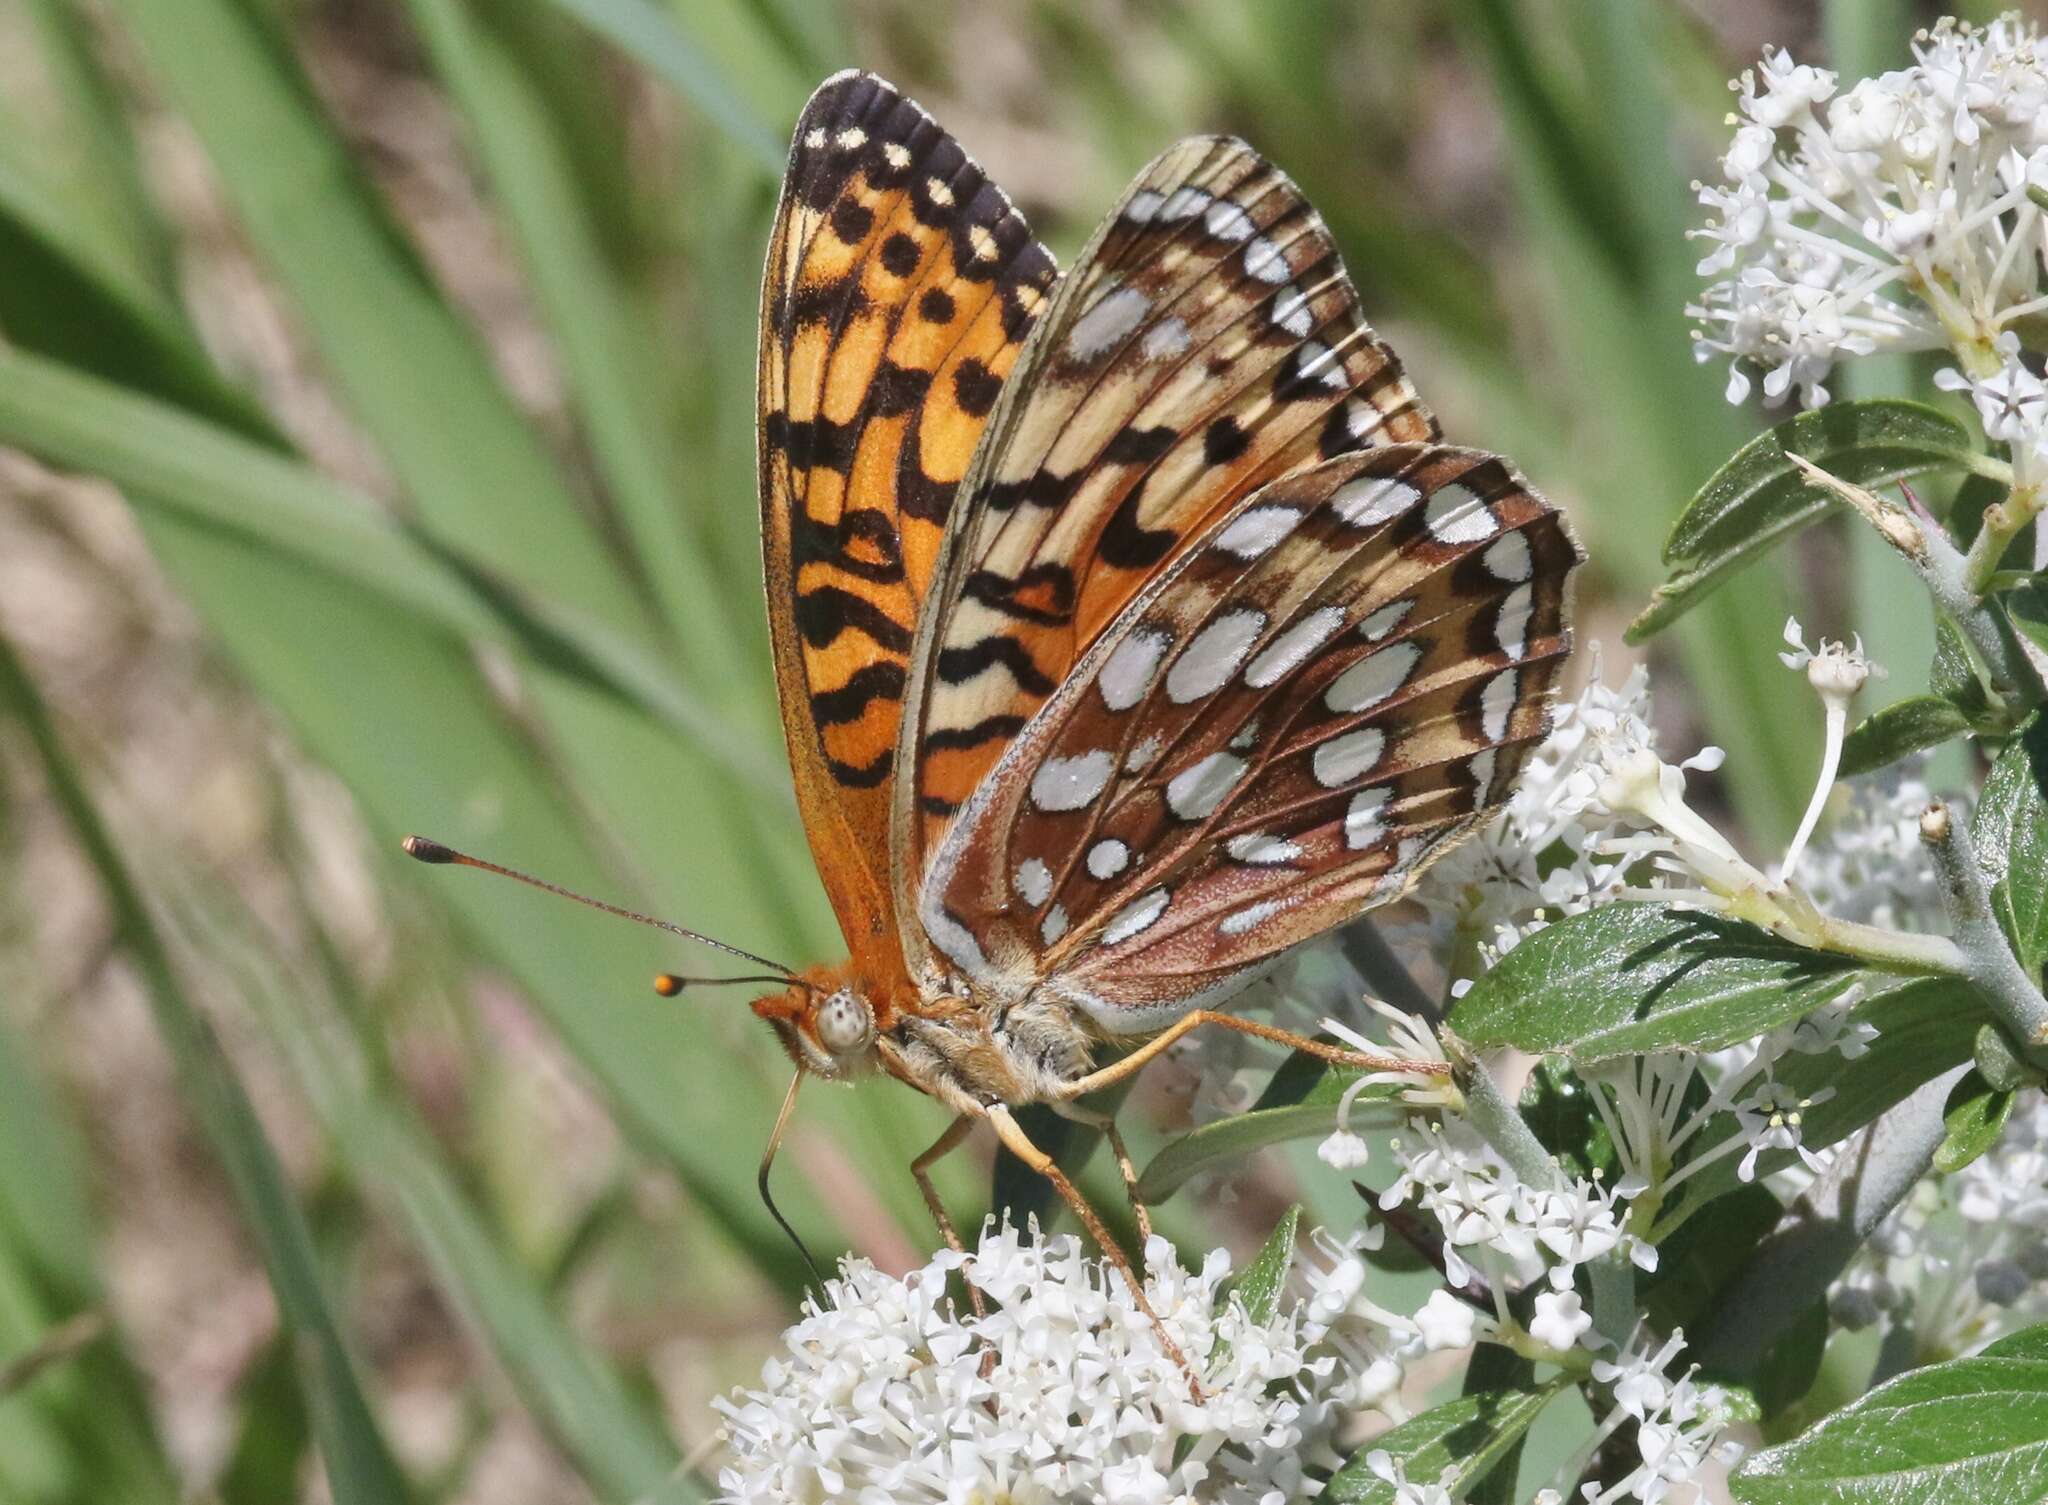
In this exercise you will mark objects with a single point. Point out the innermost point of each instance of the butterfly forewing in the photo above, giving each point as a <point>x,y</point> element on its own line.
<point>1207,342</point>
<point>899,289</point>
<point>1335,683</point>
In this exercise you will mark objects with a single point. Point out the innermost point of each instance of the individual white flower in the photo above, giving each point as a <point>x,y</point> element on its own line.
<point>2012,404</point>
<point>1891,216</point>
<point>1445,1322</point>
<point>1836,671</point>
<point>1771,1118</point>
<point>1561,1320</point>
<point>1579,1224</point>
<point>1343,1151</point>
<point>887,1391</point>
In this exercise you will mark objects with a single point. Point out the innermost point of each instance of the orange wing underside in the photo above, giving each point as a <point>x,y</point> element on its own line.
<point>1206,343</point>
<point>899,288</point>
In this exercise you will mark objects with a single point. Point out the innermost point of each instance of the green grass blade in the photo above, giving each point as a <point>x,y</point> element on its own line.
<point>1651,426</point>
<point>360,1467</point>
<point>601,343</point>
<point>413,376</point>
<point>616,1444</point>
<point>643,30</point>
<point>77,422</point>
<point>81,1428</point>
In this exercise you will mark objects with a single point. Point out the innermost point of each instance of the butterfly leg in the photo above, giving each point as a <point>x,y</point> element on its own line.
<point>921,1168</point>
<point>1116,1071</point>
<point>1018,1143</point>
<point>1106,1123</point>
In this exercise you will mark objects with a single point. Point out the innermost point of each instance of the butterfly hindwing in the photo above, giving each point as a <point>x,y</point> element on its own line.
<point>1206,343</point>
<point>899,289</point>
<point>1334,684</point>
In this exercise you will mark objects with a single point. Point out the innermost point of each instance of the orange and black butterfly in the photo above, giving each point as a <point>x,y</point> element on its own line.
<point>1131,627</point>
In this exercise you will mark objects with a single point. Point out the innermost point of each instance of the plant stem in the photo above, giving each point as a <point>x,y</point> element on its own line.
<point>2002,523</point>
<point>1987,958</point>
<point>1496,1118</point>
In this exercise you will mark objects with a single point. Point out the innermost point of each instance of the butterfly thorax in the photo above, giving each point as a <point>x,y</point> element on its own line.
<point>844,1021</point>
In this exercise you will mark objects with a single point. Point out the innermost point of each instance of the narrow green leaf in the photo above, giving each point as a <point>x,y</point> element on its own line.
<point>1266,1276</point>
<point>1705,1252</point>
<point>2010,833</point>
<point>2027,606</point>
<point>160,454</point>
<point>1998,1063</point>
<point>1901,729</point>
<point>1232,1138</point>
<point>1469,1437</point>
<point>360,1466</point>
<point>1760,498</point>
<point>1974,1119</point>
<point>642,29</point>
<point>1640,977</point>
<point>1968,1432</point>
<point>602,345</point>
<point>412,374</point>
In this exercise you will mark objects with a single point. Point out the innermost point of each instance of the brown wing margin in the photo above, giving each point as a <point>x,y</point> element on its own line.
<point>900,285</point>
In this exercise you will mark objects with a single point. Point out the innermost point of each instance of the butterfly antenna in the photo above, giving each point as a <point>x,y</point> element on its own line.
<point>421,849</point>
<point>768,1161</point>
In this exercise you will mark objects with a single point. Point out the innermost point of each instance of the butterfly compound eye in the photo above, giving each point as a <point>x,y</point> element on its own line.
<point>844,1024</point>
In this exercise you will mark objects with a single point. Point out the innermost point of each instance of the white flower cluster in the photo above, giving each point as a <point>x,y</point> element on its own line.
<point>1964,1259</point>
<point>1896,216</point>
<point>1546,856</point>
<point>887,1393</point>
<point>1500,1230</point>
<point>1678,1424</point>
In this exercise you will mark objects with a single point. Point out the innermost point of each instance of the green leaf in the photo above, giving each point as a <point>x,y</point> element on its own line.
<point>2010,833</point>
<point>1760,497</point>
<point>1705,1252</point>
<point>1232,1138</point>
<point>1998,1063</point>
<point>1957,674</point>
<point>360,1465</point>
<point>1968,1432</point>
<point>1640,977</point>
<point>2027,606</point>
<point>1900,729</point>
<point>1974,1118</point>
<point>1265,1277</point>
<point>1793,1363</point>
<point>1470,1436</point>
<point>602,345</point>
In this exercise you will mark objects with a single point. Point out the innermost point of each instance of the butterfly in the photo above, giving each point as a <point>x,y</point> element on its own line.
<point>1131,627</point>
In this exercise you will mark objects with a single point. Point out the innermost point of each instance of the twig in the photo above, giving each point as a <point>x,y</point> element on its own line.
<point>1490,1112</point>
<point>1987,956</point>
<point>1940,566</point>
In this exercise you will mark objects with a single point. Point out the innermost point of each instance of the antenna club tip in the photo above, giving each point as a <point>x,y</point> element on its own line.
<point>667,984</point>
<point>422,850</point>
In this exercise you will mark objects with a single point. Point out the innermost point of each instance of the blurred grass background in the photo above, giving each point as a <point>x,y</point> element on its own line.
<point>376,454</point>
